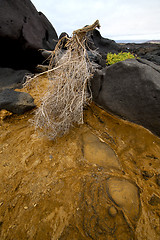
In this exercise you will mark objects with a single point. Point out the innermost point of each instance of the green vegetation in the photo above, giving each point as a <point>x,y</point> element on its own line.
<point>114,58</point>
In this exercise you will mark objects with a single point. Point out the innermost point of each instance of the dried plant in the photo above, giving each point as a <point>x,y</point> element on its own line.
<point>68,91</point>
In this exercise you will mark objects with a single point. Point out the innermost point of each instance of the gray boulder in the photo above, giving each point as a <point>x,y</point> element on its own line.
<point>131,90</point>
<point>11,79</point>
<point>23,31</point>
<point>16,102</point>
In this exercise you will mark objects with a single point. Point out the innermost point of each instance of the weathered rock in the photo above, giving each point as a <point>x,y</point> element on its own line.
<point>125,195</point>
<point>41,68</point>
<point>23,31</point>
<point>46,54</point>
<point>102,45</point>
<point>63,34</point>
<point>97,152</point>
<point>11,79</point>
<point>131,90</point>
<point>96,58</point>
<point>149,63</point>
<point>16,102</point>
<point>64,40</point>
<point>148,51</point>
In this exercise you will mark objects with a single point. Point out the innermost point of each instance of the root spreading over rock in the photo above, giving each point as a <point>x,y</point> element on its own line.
<point>68,91</point>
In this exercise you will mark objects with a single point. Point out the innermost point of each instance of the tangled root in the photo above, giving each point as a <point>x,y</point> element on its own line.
<point>68,91</point>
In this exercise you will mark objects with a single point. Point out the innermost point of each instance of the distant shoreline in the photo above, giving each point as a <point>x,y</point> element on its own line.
<point>138,41</point>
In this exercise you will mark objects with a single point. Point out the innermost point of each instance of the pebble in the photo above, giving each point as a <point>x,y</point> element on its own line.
<point>112,211</point>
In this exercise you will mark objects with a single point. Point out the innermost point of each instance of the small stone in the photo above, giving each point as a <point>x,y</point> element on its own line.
<point>112,211</point>
<point>25,207</point>
<point>4,113</point>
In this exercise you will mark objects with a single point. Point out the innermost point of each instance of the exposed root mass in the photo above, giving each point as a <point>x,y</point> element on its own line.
<point>68,91</point>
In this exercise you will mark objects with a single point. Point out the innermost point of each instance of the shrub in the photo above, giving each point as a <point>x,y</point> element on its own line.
<point>114,58</point>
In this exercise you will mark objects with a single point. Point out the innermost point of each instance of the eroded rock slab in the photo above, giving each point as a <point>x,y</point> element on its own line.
<point>98,152</point>
<point>125,195</point>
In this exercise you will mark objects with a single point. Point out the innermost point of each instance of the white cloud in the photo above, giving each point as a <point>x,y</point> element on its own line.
<point>119,19</point>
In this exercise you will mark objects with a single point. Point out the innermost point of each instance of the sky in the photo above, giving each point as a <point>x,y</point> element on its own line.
<point>119,19</point>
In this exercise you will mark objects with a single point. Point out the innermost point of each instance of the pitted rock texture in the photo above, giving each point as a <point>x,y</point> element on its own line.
<point>131,90</point>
